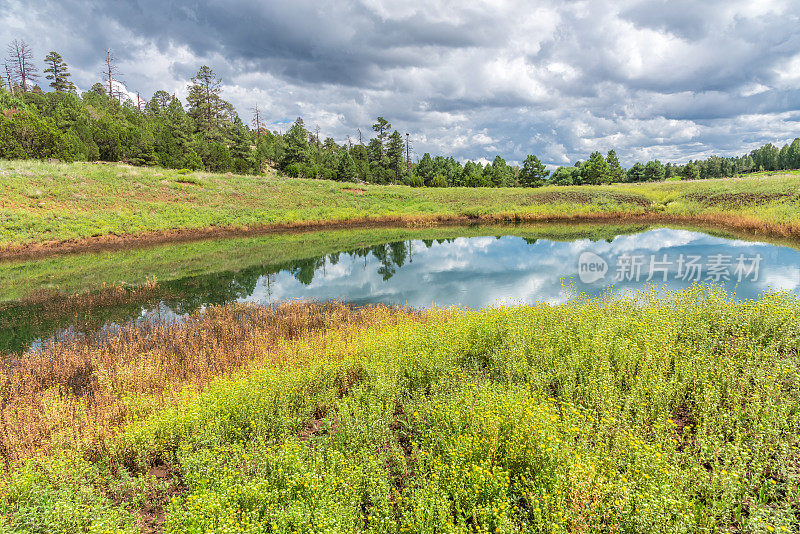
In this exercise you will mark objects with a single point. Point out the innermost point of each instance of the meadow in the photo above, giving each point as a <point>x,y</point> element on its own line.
<point>643,413</point>
<point>56,207</point>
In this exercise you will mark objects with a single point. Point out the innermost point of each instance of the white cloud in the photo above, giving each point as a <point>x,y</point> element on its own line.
<point>650,78</point>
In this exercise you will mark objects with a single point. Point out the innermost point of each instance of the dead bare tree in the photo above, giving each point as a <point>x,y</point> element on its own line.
<point>408,152</point>
<point>112,75</point>
<point>256,118</point>
<point>140,102</point>
<point>360,139</point>
<point>23,70</point>
<point>9,78</point>
<point>257,126</point>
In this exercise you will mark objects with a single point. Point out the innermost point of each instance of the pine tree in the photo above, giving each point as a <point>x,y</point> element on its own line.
<point>500,173</point>
<point>636,173</point>
<point>58,72</point>
<point>394,153</point>
<point>690,172</point>
<point>615,171</point>
<point>346,169</point>
<point>296,138</point>
<point>425,168</point>
<point>206,106</point>
<point>381,127</point>
<point>654,171</point>
<point>596,169</point>
<point>158,103</point>
<point>533,172</point>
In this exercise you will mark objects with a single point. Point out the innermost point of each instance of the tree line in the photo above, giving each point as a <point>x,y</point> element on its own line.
<point>105,123</point>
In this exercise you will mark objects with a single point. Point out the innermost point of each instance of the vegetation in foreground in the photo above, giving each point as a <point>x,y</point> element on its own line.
<point>56,202</point>
<point>676,413</point>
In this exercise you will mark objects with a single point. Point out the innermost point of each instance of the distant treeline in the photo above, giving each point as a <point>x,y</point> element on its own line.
<point>105,124</point>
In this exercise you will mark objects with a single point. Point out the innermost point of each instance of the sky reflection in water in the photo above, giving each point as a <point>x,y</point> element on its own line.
<point>481,271</point>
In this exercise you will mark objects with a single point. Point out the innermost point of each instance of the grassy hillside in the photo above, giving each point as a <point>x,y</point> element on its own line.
<point>55,202</point>
<point>674,414</point>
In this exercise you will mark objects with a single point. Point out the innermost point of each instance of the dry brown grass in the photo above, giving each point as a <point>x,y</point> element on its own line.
<point>76,394</point>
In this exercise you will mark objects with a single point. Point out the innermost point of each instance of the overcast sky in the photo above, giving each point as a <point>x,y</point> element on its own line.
<point>668,79</point>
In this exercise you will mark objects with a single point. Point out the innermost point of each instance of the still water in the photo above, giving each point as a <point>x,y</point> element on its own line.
<point>470,268</point>
<point>482,271</point>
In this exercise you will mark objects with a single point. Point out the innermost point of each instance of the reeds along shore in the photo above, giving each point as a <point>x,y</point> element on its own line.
<point>76,392</point>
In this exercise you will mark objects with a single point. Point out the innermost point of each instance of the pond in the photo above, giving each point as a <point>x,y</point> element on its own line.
<point>470,267</point>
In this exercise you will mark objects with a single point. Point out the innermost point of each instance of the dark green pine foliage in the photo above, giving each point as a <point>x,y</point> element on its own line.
<point>394,155</point>
<point>58,73</point>
<point>533,173</point>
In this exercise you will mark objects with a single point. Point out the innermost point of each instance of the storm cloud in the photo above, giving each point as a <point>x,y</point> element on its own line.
<point>672,80</point>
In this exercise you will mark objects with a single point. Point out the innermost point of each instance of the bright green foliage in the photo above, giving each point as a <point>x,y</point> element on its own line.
<point>472,176</point>
<point>438,181</point>
<point>62,494</point>
<point>566,176</point>
<point>673,414</point>
<point>97,127</point>
<point>615,171</point>
<point>381,128</point>
<point>296,139</point>
<point>533,173</point>
<point>596,170</point>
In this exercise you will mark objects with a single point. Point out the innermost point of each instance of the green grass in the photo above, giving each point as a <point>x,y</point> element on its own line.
<point>643,414</point>
<point>52,202</point>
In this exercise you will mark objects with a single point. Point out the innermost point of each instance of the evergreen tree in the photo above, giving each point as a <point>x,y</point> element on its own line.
<point>615,171</point>
<point>241,149</point>
<point>690,172</point>
<point>296,150</point>
<point>533,172</point>
<point>636,173</point>
<point>500,173</point>
<point>394,153</point>
<point>381,127</point>
<point>158,103</point>
<point>58,72</point>
<point>654,171</point>
<point>206,106</point>
<point>597,171</point>
<point>424,168</point>
<point>346,169</point>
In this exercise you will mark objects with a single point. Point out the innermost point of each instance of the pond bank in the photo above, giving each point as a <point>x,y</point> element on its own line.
<point>731,222</point>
